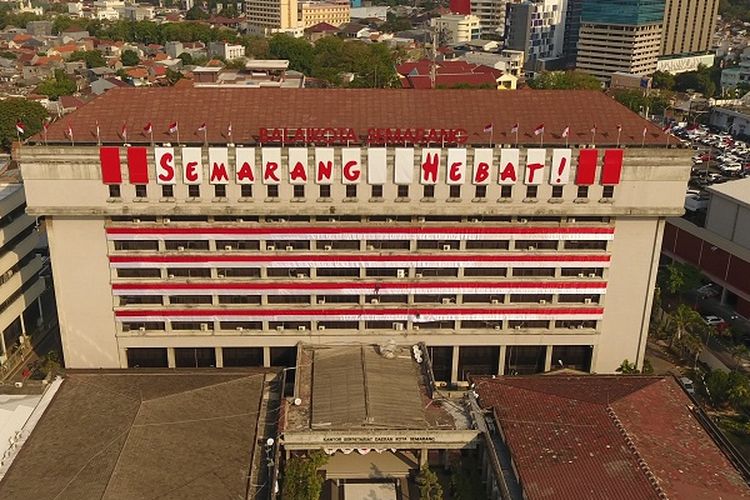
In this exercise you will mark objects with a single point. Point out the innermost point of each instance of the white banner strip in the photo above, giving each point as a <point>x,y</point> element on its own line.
<point>426,236</point>
<point>465,290</point>
<point>421,318</point>
<point>406,264</point>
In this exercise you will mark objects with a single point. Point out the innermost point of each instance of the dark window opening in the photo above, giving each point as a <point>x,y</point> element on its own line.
<point>524,360</point>
<point>377,191</point>
<point>480,192</point>
<point>325,191</point>
<point>454,191</point>
<point>220,191</point>
<point>351,191</point>
<point>242,356</point>
<point>141,191</point>
<point>299,191</point>
<point>273,191</point>
<point>403,191</point>
<point>557,191</point>
<point>147,357</point>
<point>429,191</point>
<point>195,357</point>
<point>114,191</point>
<point>167,191</point>
<point>194,191</point>
<point>246,190</point>
<point>477,360</point>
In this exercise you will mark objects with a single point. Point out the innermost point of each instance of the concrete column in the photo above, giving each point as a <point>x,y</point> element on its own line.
<point>724,293</point>
<point>548,359</point>
<point>501,361</point>
<point>41,309</point>
<point>2,343</point>
<point>266,357</point>
<point>422,457</point>
<point>170,357</point>
<point>454,365</point>
<point>23,324</point>
<point>219,357</point>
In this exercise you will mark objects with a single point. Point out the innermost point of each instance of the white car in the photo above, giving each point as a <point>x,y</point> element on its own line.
<point>688,385</point>
<point>712,320</point>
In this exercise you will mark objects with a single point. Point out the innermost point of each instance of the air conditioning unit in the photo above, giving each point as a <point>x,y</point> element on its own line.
<point>494,301</point>
<point>523,221</point>
<point>497,327</point>
<point>171,276</point>
<point>592,275</point>
<point>474,220</point>
<point>327,248</point>
<point>446,248</point>
<point>240,220</point>
<point>415,327</point>
<point>419,275</point>
<point>141,328</point>
<point>166,220</point>
<point>401,273</point>
<point>517,327</point>
<point>587,300</point>
<point>446,300</point>
<point>321,301</point>
<point>240,329</point>
<point>280,328</point>
<point>270,248</point>
<point>398,326</point>
<point>301,275</point>
<point>542,301</point>
<point>204,327</point>
<point>281,220</point>
<point>301,328</point>
<point>227,247</point>
<point>180,249</point>
<point>374,301</point>
<point>390,221</point>
<point>136,221</point>
<point>530,247</point>
<point>220,276</point>
<point>581,275</point>
<point>580,327</point>
<point>421,220</point>
<point>571,219</point>
<point>321,327</point>
<point>289,248</point>
<point>370,247</point>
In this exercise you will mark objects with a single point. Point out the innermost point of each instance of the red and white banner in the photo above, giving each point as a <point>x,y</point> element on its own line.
<point>271,165</point>
<point>416,315</point>
<point>430,166</point>
<point>299,261</point>
<point>351,165</point>
<point>244,166</point>
<point>403,166</point>
<point>508,171</point>
<point>359,233</point>
<point>218,166</point>
<point>534,173</point>
<point>192,166</point>
<point>559,172</point>
<point>298,166</point>
<point>456,167</point>
<point>358,288</point>
<point>166,170</point>
<point>483,160</point>
<point>324,158</point>
<point>377,166</point>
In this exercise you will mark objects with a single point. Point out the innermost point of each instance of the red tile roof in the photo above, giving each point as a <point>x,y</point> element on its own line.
<point>603,436</point>
<point>322,28</point>
<point>471,110</point>
<point>416,74</point>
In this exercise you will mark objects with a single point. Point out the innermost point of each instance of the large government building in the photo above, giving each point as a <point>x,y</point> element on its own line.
<point>222,227</point>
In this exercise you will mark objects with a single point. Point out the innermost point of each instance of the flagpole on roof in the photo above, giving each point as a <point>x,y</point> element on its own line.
<point>177,129</point>
<point>619,132</point>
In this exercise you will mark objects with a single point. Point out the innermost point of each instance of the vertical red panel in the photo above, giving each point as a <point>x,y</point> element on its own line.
<point>109,158</point>
<point>586,172</point>
<point>612,168</point>
<point>460,7</point>
<point>137,165</point>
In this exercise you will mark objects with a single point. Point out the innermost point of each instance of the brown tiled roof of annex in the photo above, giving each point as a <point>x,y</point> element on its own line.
<point>251,109</point>
<point>602,436</point>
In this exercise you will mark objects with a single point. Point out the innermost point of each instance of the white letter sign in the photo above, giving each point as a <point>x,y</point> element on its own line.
<point>508,171</point>
<point>218,166</point>
<point>324,165</point>
<point>244,165</point>
<point>403,166</point>
<point>559,171</point>
<point>192,167</point>
<point>482,166</point>
<point>271,167</point>
<point>534,166</point>
<point>165,168</point>
<point>351,165</point>
<point>376,166</point>
<point>297,165</point>
<point>456,168</point>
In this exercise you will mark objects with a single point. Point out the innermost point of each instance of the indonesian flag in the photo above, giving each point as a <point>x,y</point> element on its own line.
<point>97,129</point>
<point>229,129</point>
<point>514,128</point>
<point>645,131</point>
<point>45,126</point>
<point>20,128</point>
<point>69,131</point>
<point>667,128</point>
<point>566,131</point>
<point>173,127</point>
<point>488,128</point>
<point>148,128</point>
<point>539,129</point>
<point>593,129</point>
<point>124,132</point>
<point>619,127</point>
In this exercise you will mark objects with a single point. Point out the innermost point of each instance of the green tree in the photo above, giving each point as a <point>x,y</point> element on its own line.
<point>429,486</point>
<point>394,23</point>
<point>727,388</point>
<point>663,80</point>
<point>627,368</point>
<point>565,80</point>
<point>7,54</point>
<point>130,58</point>
<point>738,352</point>
<point>681,278</point>
<point>256,47</point>
<point>12,110</point>
<point>92,58</point>
<point>59,84</point>
<point>302,481</point>
<point>186,59</point>
<point>195,13</point>
<point>299,52</point>
<point>682,320</point>
<point>701,80</point>
<point>173,76</point>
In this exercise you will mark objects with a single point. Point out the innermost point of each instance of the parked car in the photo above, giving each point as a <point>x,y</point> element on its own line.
<point>715,321</point>
<point>706,291</point>
<point>688,385</point>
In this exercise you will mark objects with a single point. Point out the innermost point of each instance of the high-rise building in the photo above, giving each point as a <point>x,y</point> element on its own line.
<point>619,36</point>
<point>491,14</point>
<point>355,216</point>
<point>537,29</point>
<point>21,283</point>
<point>269,16</point>
<point>334,12</point>
<point>456,28</point>
<point>570,34</point>
<point>688,26</point>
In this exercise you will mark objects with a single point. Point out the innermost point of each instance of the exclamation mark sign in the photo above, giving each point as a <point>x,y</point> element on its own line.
<point>561,169</point>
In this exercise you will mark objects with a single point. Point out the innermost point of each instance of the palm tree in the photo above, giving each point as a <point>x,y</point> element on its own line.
<point>682,320</point>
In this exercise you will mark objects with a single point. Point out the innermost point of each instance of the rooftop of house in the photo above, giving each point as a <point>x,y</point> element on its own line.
<point>362,109</point>
<point>141,434</point>
<point>611,437</point>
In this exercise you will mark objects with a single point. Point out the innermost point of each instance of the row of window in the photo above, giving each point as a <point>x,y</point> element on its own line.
<point>302,326</point>
<point>356,272</point>
<point>376,191</point>
<point>367,299</point>
<point>388,219</point>
<point>328,245</point>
